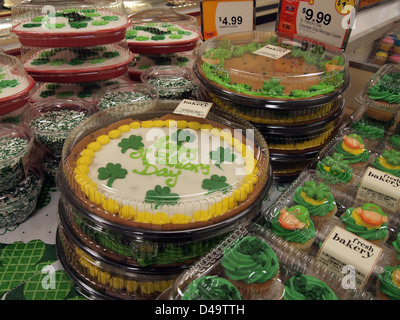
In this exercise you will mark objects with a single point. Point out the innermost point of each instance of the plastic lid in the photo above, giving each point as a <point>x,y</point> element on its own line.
<point>259,68</point>
<point>138,96</point>
<point>15,84</point>
<point>222,162</point>
<point>171,82</point>
<point>161,38</point>
<point>69,24</point>
<point>80,64</point>
<point>155,15</point>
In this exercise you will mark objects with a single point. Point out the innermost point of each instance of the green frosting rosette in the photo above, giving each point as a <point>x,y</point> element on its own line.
<point>250,260</point>
<point>386,89</point>
<point>389,162</point>
<point>211,288</point>
<point>335,168</point>
<point>367,221</point>
<point>389,282</point>
<point>293,224</point>
<point>304,287</point>
<point>394,141</point>
<point>317,198</point>
<point>396,245</point>
<point>352,147</point>
<point>369,128</point>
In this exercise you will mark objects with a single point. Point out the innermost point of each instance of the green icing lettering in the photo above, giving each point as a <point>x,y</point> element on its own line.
<point>111,172</point>
<point>150,169</point>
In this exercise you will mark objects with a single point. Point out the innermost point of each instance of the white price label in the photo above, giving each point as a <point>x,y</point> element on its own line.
<point>193,108</point>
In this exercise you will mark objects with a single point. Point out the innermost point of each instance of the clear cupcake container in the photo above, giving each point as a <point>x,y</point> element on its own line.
<point>171,82</point>
<point>15,84</point>
<point>107,279</point>
<point>198,208</point>
<point>162,15</point>
<point>144,62</point>
<point>285,115</point>
<point>82,90</point>
<point>241,68</point>
<point>16,143</point>
<point>53,120</point>
<point>19,202</point>
<point>203,280</point>
<point>77,64</point>
<point>381,93</point>
<point>130,96</point>
<point>73,23</point>
<point>162,38</point>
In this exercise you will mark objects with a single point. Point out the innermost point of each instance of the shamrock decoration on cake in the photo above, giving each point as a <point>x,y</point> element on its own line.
<point>112,172</point>
<point>133,142</point>
<point>215,183</point>
<point>181,136</point>
<point>161,196</point>
<point>221,155</point>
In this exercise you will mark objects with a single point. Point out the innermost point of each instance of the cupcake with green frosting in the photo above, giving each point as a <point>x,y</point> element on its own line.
<point>317,198</point>
<point>294,225</point>
<point>396,246</point>
<point>368,221</point>
<point>335,169</point>
<point>389,283</point>
<point>353,149</point>
<point>252,266</point>
<point>211,288</point>
<point>305,287</point>
<point>389,162</point>
<point>372,131</point>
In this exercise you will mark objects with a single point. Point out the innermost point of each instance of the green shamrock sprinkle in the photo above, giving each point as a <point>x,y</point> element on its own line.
<point>221,155</point>
<point>336,163</point>
<point>95,60</point>
<point>161,196</point>
<point>78,25</point>
<point>158,37</point>
<point>133,142</point>
<point>47,93</point>
<point>112,172</point>
<point>215,183</point>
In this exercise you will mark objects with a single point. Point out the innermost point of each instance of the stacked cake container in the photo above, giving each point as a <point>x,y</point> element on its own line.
<point>289,102</point>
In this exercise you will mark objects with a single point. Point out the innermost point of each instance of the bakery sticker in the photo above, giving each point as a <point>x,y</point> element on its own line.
<point>342,249</point>
<point>379,187</point>
<point>273,52</point>
<point>328,21</point>
<point>193,108</point>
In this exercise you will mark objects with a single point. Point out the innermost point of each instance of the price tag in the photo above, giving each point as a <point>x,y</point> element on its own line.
<point>328,21</point>
<point>222,17</point>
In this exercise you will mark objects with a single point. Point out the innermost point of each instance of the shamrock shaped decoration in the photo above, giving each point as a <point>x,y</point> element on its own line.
<point>221,155</point>
<point>100,23</point>
<point>316,191</point>
<point>392,157</point>
<point>131,34</point>
<point>273,87</point>
<point>112,172</point>
<point>181,136</point>
<point>215,183</point>
<point>161,196</point>
<point>133,142</point>
<point>336,163</point>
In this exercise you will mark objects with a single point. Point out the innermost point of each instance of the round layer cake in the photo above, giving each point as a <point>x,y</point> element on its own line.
<point>136,172</point>
<point>262,69</point>
<point>74,25</point>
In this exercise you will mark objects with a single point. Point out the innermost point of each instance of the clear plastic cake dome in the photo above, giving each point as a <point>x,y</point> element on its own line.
<point>70,23</point>
<point>163,15</point>
<point>229,178</point>
<point>15,84</point>
<point>260,68</point>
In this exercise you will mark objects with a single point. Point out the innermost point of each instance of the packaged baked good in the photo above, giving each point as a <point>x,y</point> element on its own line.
<point>72,64</point>
<point>15,86</point>
<point>161,38</point>
<point>53,120</point>
<point>16,143</point>
<point>69,24</point>
<point>163,15</point>
<point>388,285</point>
